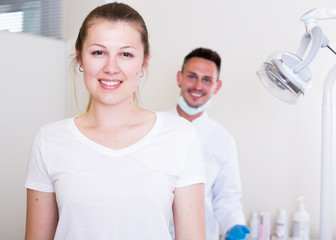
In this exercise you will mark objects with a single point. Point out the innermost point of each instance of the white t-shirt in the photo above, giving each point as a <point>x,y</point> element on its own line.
<point>115,194</point>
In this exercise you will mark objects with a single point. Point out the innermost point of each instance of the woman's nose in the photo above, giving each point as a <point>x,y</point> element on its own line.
<point>111,65</point>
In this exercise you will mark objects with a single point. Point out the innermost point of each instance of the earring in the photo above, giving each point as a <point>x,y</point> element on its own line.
<point>141,74</point>
<point>80,69</point>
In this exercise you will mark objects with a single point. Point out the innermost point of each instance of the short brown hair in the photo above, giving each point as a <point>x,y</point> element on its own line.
<point>205,53</point>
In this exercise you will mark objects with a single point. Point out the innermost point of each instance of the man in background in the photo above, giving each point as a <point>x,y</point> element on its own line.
<point>198,81</point>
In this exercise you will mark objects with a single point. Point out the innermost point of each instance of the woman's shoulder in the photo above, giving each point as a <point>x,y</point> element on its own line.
<point>171,118</point>
<point>175,124</point>
<point>57,126</point>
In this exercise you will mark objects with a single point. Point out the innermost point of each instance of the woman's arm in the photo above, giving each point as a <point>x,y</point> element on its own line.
<point>42,215</point>
<point>189,213</point>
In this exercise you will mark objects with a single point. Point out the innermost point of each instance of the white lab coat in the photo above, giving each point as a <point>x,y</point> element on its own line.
<point>223,187</point>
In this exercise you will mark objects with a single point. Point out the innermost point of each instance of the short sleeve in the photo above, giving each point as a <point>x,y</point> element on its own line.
<point>37,174</point>
<point>193,171</point>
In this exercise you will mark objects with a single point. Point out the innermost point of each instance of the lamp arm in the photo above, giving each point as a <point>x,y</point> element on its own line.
<point>306,38</point>
<point>316,36</point>
<point>327,155</point>
<point>328,88</point>
<point>310,18</point>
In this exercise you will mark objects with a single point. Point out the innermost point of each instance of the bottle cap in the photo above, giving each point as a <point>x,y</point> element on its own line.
<point>283,212</point>
<point>302,207</point>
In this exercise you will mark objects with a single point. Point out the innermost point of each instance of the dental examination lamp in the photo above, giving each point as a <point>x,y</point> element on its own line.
<point>286,75</point>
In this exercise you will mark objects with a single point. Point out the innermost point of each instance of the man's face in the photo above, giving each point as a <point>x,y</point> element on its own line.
<point>198,81</point>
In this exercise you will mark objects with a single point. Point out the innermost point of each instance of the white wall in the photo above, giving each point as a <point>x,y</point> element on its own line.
<point>32,92</point>
<point>278,144</point>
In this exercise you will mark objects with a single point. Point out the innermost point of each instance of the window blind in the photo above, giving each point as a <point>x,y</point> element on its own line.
<point>39,17</point>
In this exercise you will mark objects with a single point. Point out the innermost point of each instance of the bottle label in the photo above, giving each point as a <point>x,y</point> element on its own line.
<point>281,230</point>
<point>301,230</point>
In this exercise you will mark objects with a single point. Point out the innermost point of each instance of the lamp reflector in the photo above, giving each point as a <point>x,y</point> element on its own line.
<point>277,75</point>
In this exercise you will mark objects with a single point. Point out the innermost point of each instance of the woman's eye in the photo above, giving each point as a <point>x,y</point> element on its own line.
<point>126,54</point>
<point>97,53</point>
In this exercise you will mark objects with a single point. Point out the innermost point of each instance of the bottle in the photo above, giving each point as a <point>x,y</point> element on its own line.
<point>281,225</point>
<point>265,225</point>
<point>301,222</point>
<point>254,226</point>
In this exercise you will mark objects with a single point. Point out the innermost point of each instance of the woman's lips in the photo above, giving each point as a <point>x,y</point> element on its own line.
<point>110,84</point>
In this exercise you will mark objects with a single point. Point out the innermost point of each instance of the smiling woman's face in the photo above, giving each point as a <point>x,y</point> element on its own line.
<point>112,60</point>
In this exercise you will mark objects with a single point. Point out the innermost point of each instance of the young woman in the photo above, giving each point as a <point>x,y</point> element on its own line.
<point>117,171</point>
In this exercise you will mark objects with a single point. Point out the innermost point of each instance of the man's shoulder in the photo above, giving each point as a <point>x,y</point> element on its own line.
<point>217,130</point>
<point>217,126</point>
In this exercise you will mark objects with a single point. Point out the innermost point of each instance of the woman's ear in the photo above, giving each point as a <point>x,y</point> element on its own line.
<point>78,58</point>
<point>146,61</point>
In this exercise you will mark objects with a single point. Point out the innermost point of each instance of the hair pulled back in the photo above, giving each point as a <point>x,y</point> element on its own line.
<point>113,12</point>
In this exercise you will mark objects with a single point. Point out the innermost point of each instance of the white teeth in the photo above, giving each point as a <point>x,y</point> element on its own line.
<point>196,95</point>
<point>109,83</point>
